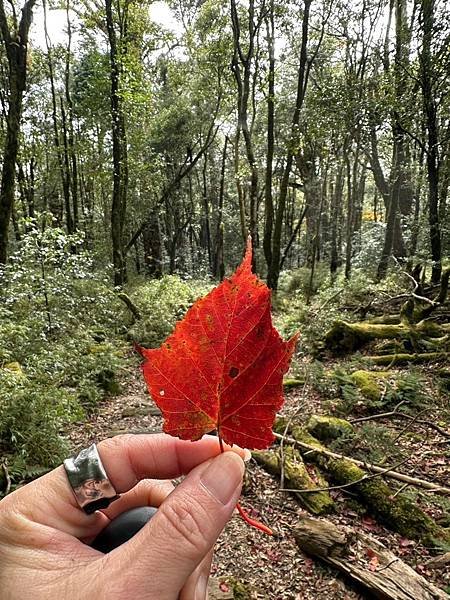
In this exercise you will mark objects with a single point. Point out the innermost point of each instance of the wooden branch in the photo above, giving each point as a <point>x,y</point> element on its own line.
<point>394,413</point>
<point>365,560</point>
<point>427,485</point>
<point>130,305</point>
<point>395,359</point>
<point>7,479</point>
<point>438,561</point>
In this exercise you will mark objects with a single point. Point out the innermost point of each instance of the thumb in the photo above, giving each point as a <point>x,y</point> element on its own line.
<point>168,549</point>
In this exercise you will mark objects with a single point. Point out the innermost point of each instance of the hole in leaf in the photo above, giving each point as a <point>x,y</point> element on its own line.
<point>234,371</point>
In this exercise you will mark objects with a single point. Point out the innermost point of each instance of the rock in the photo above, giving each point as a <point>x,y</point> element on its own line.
<point>329,428</point>
<point>370,383</point>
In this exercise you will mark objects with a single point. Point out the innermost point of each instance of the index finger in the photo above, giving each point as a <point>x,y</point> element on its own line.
<point>127,459</point>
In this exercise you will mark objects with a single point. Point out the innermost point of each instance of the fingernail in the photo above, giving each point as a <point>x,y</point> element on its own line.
<point>223,476</point>
<point>247,455</point>
<point>201,589</point>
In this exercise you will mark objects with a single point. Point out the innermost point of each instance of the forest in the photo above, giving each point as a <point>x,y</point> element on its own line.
<point>142,144</point>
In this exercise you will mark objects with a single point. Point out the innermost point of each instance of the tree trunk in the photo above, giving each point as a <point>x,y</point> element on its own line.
<point>153,246</point>
<point>268,199</point>
<point>241,66</point>
<point>63,162</point>
<point>73,170</point>
<point>16,48</point>
<point>117,48</point>
<point>274,268</point>
<point>428,80</point>
<point>336,212</point>
<point>218,264</point>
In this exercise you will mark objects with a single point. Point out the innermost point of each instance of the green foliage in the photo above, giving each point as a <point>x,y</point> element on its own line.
<point>31,417</point>
<point>344,394</point>
<point>55,315</point>
<point>331,301</point>
<point>162,303</point>
<point>371,442</point>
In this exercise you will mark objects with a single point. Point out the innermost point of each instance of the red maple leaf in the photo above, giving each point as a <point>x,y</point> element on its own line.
<point>222,368</point>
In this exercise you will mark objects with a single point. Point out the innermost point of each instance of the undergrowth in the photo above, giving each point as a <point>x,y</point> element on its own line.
<point>64,339</point>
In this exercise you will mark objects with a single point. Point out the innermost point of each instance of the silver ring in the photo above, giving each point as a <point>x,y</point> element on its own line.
<point>89,482</point>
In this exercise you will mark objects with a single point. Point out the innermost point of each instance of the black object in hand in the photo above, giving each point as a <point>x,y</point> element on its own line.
<point>122,528</point>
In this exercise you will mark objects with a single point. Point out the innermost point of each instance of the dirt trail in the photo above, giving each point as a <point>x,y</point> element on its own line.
<point>271,566</point>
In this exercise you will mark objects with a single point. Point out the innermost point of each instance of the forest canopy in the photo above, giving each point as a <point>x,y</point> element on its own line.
<point>163,133</point>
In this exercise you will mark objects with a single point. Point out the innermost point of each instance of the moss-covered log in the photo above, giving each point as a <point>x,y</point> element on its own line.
<point>365,560</point>
<point>329,428</point>
<point>391,360</point>
<point>385,320</point>
<point>297,478</point>
<point>397,511</point>
<point>347,337</point>
<point>292,383</point>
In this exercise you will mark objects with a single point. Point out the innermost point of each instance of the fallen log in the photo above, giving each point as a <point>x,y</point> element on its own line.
<point>314,446</point>
<point>439,561</point>
<point>297,477</point>
<point>292,383</point>
<point>402,358</point>
<point>347,337</point>
<point>329,428</point>
<point>365,560</point>
<point>395,510</point>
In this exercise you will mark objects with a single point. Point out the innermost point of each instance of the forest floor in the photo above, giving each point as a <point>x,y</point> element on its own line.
<point>273,567</point>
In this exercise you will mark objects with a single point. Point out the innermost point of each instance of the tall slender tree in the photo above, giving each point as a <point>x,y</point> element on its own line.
<point>15,41</point>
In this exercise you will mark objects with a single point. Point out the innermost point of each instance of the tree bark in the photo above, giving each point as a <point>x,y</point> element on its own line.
<point>365,560</point>
<point>274,267</point>
<point>117,49</point>
<point>16,48</point>
<point>241,66</point>
<point>428,77</point>
<point>268,197</point>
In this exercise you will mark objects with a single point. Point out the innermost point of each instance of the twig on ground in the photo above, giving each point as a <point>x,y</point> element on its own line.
<point>347,485</point>
<point>401,415</point>
<point>427,485</point>
<point>400,490</point>
<point>7,478</point>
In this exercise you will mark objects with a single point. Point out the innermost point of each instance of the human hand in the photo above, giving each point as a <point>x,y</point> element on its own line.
<point>44,535</point>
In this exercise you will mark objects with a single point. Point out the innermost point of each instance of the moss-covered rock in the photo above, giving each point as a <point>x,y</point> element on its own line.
<point>329,428</point>
<point>297,477</point>
<point>15,368</point>
<point>241,590</point>
<point>370,383</point>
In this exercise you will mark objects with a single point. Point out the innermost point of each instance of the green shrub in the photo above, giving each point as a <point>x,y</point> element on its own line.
<point>59,353</point>
<point>341,299</point>
<point>31,418</point>
<point>162,303</point>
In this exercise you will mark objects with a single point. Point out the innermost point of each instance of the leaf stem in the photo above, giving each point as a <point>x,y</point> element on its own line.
<point>252,522</point>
